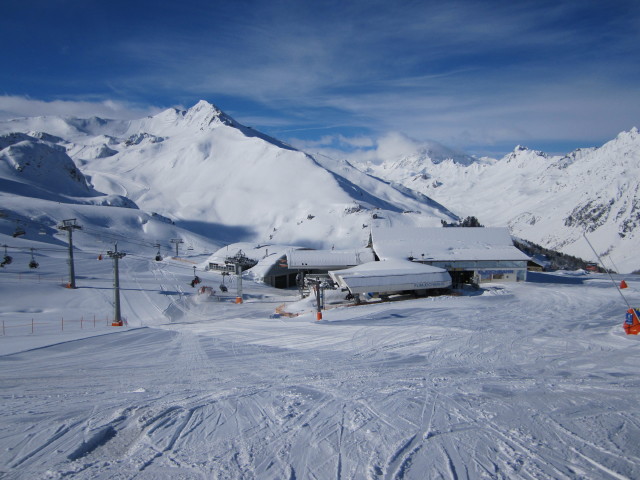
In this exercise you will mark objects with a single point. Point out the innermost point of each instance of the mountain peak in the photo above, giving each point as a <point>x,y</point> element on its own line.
<point>205,115</point>
<point>631,135</point>
<point>524,154</point>
<point>204,105</point>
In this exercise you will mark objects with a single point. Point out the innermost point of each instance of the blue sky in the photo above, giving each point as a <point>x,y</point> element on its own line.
<point>340,75</point>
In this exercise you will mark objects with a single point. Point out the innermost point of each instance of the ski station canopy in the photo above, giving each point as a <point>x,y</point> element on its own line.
<point>391,276</point>
<point>469,254</point>
<point>328,259</point>
<point>262,263</point>
<point>446,244</point>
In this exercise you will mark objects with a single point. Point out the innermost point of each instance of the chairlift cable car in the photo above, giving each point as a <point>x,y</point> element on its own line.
<point>223,287</point>
<point>196,280</point>
<point>7,259</point>
<point>158,255</point>
<point>33,263</point>
<point>19,231</point>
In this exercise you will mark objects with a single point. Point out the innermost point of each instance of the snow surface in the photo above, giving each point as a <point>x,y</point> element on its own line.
<point>527,380</point>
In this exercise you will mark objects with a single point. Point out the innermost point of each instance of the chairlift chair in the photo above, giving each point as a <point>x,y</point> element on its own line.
<point>196,279</point>
<point>33,263</point>
<point>7,259</point>
<point>223,287</point>
<point>158,257</point>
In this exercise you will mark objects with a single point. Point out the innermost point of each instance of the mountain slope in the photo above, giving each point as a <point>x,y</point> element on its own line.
<point>550,200</point>
<point>212,175</point>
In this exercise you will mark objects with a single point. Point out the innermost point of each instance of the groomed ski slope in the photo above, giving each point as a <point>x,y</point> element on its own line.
<point>532,380</point>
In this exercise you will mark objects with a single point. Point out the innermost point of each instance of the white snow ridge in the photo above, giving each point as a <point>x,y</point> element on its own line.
<point>523,380</point>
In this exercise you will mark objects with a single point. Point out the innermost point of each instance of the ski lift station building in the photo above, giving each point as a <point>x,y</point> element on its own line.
<point>469,254</point>
<point>264,263</point>
<point>400,259</point>
<point>358,271</point>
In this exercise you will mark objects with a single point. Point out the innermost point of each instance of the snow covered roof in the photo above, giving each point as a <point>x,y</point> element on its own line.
<point>391,276</point>
<point>328,259</point>
<point>265,256</point>
<point>446,244</point>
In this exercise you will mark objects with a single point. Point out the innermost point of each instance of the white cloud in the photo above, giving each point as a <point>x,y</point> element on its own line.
<point>360,141</point>
<point>388,146</point>
<point>395,144</point>
<point>17,106</point>
<point>338,142</point>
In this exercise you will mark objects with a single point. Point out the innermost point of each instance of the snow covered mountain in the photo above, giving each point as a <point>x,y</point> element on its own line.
<point>205,176</point>
<point>210,176</point>
<point>549,200</point>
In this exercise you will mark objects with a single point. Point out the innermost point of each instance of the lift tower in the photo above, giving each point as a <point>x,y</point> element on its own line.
<point>116,255</point>
<point>70,225</point>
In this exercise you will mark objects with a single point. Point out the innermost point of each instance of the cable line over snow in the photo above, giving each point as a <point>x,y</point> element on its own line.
<point>632,322</point>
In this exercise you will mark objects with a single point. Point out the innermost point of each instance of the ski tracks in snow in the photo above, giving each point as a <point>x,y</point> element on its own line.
<point>418,392</point>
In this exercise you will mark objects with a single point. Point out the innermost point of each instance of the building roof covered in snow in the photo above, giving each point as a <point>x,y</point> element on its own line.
<point>445,244</point>
<point>328,259</point>
<point>391,276</point>
<point>262,257</point>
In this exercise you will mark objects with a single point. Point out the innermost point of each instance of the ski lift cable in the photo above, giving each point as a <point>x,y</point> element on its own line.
<point>83,252</point>
<point>120,237</point>
<point>20,220</point>
<point>609,273</point>
<point>101,233</point>
<point>80,252</point>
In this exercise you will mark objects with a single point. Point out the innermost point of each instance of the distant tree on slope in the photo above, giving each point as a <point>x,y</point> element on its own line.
<point>557,260</point>
<point>467,222</point>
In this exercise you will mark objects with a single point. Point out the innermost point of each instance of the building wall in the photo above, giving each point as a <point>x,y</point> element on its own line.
<point>506,275</point>
<point>485,271</point>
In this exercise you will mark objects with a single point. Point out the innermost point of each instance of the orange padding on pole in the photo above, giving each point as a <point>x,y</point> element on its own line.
<point>238,299</point>
<point>319,316</point>
<point>623,284</point>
